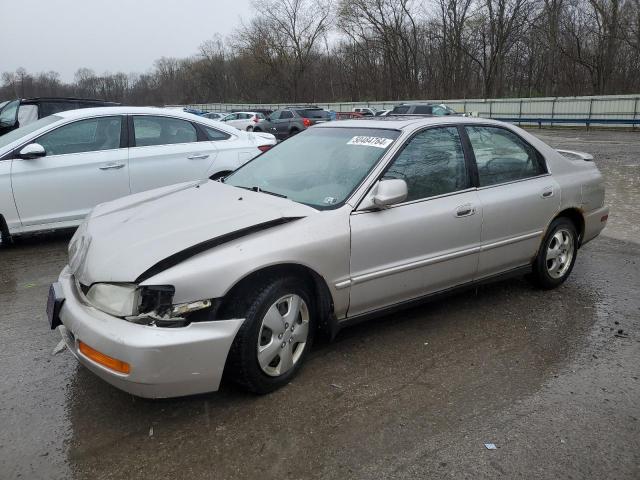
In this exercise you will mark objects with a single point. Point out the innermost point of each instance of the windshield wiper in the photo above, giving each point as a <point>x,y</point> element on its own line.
<point>261,190</point>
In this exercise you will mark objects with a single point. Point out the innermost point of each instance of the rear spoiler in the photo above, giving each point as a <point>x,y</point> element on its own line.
<point>573,155</point>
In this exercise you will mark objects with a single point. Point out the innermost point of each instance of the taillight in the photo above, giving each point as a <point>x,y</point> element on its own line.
<point>306,122</point>
<point>264,148</point>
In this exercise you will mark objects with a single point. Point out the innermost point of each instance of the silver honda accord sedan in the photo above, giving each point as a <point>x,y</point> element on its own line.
<point>169,289</point>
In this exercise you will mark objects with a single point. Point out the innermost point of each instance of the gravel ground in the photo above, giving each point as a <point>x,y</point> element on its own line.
<point>551,378</point>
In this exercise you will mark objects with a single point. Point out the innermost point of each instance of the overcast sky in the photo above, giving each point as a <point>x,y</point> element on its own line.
<point>108,35</point>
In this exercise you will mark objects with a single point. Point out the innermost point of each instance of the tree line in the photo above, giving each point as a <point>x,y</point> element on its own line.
<point>358,50</point>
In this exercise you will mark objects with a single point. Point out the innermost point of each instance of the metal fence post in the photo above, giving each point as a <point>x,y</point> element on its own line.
<point>590,110</point>
<point>635,113</point>
<point>520,114</point>
<point>553,110</point>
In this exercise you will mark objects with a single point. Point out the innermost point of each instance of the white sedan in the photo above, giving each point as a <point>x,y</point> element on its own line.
<point>243,120</point>
<point>53,171</point>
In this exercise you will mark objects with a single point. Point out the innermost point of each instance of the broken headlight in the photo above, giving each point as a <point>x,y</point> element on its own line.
<point>119,299</point>
<point>147,305</point>
<point>157,308</point>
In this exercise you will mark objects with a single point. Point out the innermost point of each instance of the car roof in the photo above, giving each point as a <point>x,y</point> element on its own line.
<point>67,99</point>
<point>403,122</point>
<point>92,112</point>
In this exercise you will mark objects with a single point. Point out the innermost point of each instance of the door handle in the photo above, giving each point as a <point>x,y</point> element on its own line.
<point>547,192</point>
<point>198,157</point>
<point>111,166</point>
<point>465,210</point>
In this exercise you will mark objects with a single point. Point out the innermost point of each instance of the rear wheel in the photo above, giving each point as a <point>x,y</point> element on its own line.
<point>294,131</point>
<point>557,254</point>
<point>275,337</point>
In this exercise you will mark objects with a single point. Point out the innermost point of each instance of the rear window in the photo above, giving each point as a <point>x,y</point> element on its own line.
<point>313,113</point>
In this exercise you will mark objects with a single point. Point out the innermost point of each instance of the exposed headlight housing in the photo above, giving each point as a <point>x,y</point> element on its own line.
<point>146,305</point>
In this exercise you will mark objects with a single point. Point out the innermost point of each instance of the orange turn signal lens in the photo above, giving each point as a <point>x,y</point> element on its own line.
<point>104,360</point>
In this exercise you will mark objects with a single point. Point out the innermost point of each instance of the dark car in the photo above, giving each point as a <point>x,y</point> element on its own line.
<point>422,109</point>
<point>291,120</point>
<point>23,111</point>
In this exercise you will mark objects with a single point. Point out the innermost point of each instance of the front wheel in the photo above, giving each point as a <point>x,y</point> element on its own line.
<point>249,128</point>
<point>275,337</point>
<point>556,256</point>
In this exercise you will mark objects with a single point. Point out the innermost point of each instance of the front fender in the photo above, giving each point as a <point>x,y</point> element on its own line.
<point>319,242</point>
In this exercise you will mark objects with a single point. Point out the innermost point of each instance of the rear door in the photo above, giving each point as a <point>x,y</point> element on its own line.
<point>86,164</point>
<point>519,198</point>
<point>428,243</point>
<point>166,150</point>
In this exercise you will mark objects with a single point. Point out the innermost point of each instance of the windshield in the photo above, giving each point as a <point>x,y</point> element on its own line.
<point>8,114</point>
<point>319,167</point>
<point>18,133</point>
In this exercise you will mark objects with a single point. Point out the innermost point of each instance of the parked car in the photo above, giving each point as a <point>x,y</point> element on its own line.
<point>289,121</point>
<point>215,115</point>
<point>422,109</point>
<point>365,111</point>
<point>340,223</point>
<point>348,115</point>
<point>53,171</point>
<point>243,120</point>
<point>382,113</point>
<point>23,111</point>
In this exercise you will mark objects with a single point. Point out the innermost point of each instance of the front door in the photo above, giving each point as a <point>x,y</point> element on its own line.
<point>428,243</point>
<point>86,164</point>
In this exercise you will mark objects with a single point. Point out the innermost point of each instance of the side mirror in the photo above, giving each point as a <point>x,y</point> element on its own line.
<point>389,192</point>
<point>33,150</point>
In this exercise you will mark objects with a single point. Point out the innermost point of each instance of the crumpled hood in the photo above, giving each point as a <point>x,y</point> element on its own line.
<point>124,238</point>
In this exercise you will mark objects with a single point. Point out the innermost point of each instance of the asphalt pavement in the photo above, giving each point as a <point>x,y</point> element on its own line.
<point>550,378</point>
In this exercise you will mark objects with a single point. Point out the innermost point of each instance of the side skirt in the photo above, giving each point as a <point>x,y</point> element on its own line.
<point>363,317</point>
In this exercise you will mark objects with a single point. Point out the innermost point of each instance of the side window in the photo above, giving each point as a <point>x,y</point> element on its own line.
<point>286,114</point>
<point>502,156</point>
<point>89,135</point>
<point>432,163</point>
<point>275,115</point>
<point>400,109</point>
<point>213,134</point>
<point>150,130</point>
<point>423,110</point>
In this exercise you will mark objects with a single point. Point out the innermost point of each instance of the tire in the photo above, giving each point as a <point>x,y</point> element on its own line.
<point>257,360</point>
<point>249,128</point>
<point>294,131</point>
<point>557,255</point>
<point>257,129</point>
<point>5,236</point>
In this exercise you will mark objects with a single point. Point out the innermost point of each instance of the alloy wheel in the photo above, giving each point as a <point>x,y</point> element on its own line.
<point>560,252</point>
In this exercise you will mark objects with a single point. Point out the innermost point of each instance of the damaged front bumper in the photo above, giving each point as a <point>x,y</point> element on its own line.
<point>163,362</point>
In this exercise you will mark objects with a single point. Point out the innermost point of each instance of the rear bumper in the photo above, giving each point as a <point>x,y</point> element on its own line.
<point>594,223</point>
<point>165,362</point>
